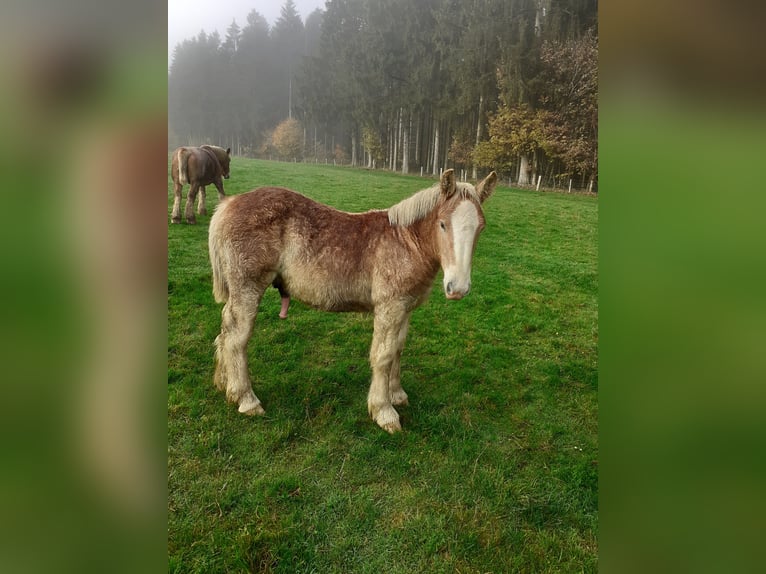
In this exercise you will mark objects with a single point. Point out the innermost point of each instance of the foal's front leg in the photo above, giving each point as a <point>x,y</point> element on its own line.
<point>398,396</point>
<point>389,323</point>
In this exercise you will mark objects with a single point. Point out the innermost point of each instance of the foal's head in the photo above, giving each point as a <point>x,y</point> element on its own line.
<point>458,224</point>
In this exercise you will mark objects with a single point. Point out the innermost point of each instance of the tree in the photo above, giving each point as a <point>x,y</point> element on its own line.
<point>571,70</point>
<point>287,45</point>
<point>514,134</point>
<point>373,146</point>
<point>231,43</point>
<point>406,84</point>
<point>253,74</point>
<point>288,139</point>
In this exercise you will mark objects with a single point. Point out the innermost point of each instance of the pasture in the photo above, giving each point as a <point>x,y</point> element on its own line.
<point>496,468</point>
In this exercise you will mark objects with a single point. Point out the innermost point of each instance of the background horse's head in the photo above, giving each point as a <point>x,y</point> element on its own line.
<point>459,222</point>
<point>224,158</point>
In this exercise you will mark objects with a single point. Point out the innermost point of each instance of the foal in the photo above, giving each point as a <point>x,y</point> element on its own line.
<point>381,261</point>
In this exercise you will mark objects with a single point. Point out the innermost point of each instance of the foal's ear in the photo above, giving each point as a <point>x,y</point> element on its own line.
<point>228,151</point>
<point>486,186</point>
<point>448,182</point>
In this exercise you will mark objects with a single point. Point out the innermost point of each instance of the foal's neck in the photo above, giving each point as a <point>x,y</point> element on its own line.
<point>423,232</point>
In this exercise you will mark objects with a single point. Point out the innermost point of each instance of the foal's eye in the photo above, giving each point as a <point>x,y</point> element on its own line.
<point>444,227</point>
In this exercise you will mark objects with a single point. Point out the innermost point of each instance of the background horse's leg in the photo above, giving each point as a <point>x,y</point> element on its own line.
<point>237,321</point>
<point>398,396</point>
<point>389,322</point>
<point>218,182</point>
<point>189,211</point>
<point>175,217</point>
<point>201,207</point>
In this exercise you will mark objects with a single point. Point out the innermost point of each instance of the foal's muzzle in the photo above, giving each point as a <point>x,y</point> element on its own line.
<point>454,291</point>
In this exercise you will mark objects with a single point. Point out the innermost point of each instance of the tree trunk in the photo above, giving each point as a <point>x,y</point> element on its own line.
<point>397,130</point>
<point>418,155</point>
<point>478,133</point>
<point>446,138</point>
<point>406,147</point>
<point>428,141</point>
<point>399,136</point>
<point>436,149</point>
<point>353,149</point>
<point>524,170</point>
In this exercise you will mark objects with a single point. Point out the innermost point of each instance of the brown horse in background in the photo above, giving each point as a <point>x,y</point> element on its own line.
<point>382,261</point>
<point>198,167</point>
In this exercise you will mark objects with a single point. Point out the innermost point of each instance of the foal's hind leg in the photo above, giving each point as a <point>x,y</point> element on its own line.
<point>231,373</point>
<point>201,207</point>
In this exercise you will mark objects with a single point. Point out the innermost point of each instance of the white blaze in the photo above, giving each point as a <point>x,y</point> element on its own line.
<point>457,275</point>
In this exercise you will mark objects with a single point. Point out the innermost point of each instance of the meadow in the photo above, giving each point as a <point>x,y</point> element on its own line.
<point>496,469</point>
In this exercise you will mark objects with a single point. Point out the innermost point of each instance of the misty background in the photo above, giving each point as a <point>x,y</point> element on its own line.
<point>475,85</point>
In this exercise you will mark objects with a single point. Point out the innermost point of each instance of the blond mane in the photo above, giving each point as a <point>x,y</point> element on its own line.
<point>419,205</point>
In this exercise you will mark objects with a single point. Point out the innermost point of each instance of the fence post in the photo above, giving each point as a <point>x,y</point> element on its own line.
<point>539,177</point>
<point>570,185</point>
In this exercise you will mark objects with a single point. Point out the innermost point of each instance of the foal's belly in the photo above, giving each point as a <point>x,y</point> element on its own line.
<point>330,296</point>
<point>344,307</point>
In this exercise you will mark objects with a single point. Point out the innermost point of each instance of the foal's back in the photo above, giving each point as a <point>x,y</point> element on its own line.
<point>324,257</point>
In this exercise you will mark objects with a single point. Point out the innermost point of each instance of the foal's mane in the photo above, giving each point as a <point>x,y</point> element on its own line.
<point>419,205</point>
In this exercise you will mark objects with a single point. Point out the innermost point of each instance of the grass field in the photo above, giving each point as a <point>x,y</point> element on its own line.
<point>496,468</point>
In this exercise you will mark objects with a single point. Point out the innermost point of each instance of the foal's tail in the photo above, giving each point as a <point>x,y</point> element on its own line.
<point>218,255</point>
<point>183,160</point>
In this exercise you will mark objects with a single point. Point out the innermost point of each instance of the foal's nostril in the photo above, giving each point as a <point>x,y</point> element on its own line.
<point>449,288</point>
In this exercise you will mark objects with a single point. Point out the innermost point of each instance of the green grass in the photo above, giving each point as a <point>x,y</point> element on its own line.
<point>496,468</point>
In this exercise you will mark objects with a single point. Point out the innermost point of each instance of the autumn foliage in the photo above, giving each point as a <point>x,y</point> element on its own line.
<point>558,131</point>
<point>288,139</point>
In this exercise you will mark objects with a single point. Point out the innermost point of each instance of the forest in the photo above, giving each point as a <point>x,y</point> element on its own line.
<point>410,86</point>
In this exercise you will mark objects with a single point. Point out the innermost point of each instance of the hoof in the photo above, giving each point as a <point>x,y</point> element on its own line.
<point>191,221</point>
<point>388,419</point>
<point>281,316</point>
<point>391,428</point>
<point>252,411</point>
<point>399,399</point>
<point>175,220</point>
<point>251,406</point>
